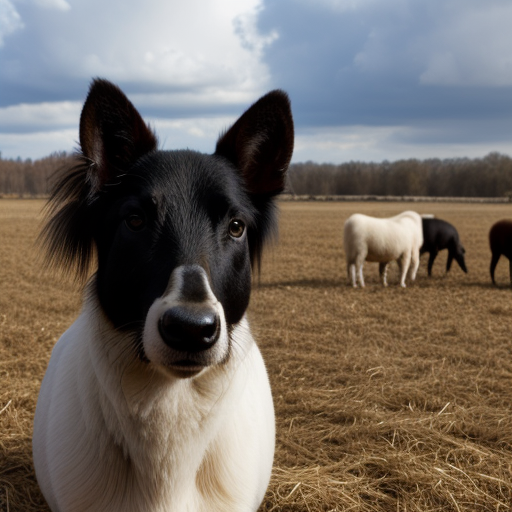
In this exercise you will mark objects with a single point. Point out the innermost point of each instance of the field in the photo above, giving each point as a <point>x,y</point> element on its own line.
<point>386,399</point>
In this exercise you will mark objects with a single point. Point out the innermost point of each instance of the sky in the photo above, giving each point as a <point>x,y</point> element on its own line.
<point>369,80</point>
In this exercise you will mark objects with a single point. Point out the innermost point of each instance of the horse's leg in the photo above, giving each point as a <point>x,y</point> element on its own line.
<point>406,261</point>
<point>400,265</point>
<point>349,271</point>
<point>449,261</point>
<point>494,262</point>
<point>361,279</point>
<point>383,271</point>
<point>431,258</point>
<point>415,264</point>
<point>352,274</point>
<point>360,259</point>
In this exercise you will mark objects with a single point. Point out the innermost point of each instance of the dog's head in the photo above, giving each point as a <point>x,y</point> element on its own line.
<point>175,233</point>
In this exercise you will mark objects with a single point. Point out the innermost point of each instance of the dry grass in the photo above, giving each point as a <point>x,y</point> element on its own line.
<point>386,399</point>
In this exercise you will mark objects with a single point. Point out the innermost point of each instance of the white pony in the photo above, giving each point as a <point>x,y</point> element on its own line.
<point>383,240</point>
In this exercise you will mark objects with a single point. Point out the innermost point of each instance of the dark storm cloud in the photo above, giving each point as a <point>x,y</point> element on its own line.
<point>368,79</point>
<point>364,64</point>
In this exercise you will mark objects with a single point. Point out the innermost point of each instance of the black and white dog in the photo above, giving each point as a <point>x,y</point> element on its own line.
<point>157,398</point>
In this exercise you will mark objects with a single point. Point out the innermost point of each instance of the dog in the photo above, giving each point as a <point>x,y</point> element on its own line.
<point>157,398</point>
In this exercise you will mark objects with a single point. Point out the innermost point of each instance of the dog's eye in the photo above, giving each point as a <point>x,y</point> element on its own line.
<point>135,221</point>
<point>236,228</point>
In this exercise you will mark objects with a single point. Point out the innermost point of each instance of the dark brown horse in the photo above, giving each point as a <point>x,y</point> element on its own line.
<point>500,240</point>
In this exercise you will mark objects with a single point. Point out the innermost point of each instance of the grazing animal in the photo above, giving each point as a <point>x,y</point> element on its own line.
<point>500,240</point>
<point>383,240</point>
<point>157,398</point>
<point>438,235</point>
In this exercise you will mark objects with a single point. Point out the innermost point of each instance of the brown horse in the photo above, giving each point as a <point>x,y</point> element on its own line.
<point>500,240</point>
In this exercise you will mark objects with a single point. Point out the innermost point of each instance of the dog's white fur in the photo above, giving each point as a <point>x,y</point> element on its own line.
<point>397,238</point>
<point>138,437</point>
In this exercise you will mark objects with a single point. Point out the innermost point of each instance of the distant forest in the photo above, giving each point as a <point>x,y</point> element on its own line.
<point>27,178</point>
<point>490,176</point>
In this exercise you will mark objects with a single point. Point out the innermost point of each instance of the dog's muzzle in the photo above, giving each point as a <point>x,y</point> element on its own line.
<point>185,329</point>
<point>190,327</point>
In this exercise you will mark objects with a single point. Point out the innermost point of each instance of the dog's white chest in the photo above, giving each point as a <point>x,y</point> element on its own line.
<point>116,439</point>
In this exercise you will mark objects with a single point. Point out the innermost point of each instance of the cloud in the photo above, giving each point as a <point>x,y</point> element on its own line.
<point>379,143</point>
<point>185,65</point>
<point>60,5</point>
<point>321,144</point>
<point>40,116</point>
<point>471,48</point>
<point>198,45</point>
<point>37,144</point>
<point>10,20</point>
<point>199,134</point>
<point>394,62</point>
<point>365,77</point>
<point>48,130</point>
<point>460,42</point>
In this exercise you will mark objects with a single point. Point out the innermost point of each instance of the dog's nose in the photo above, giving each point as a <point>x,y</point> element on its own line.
<point>189,328</point>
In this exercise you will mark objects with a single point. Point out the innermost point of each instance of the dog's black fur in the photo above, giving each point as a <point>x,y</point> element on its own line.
<point>143,212</point>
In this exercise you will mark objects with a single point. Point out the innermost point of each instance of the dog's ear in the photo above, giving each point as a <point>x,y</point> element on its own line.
<point>113,135</point>
<point>260,144</point>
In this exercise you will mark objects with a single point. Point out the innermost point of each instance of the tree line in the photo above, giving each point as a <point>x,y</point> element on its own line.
<point>27,178</point>
<point>490,176</point>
